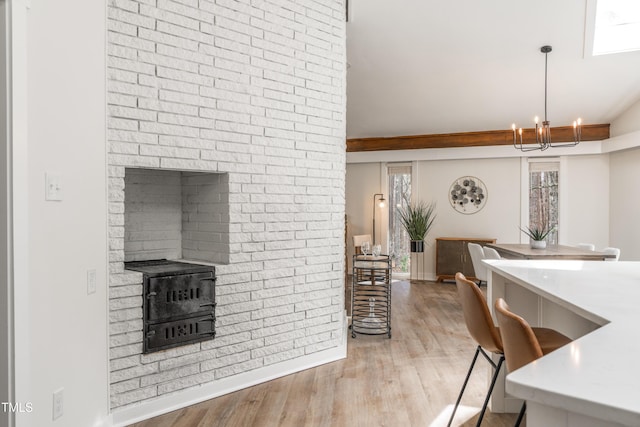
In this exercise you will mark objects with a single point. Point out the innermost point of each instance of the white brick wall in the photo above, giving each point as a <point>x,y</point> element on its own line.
<point>254,89</point>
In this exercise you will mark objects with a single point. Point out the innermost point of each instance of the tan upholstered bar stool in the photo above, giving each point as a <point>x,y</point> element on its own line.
<point>521,344</point>
<point>482,329</point>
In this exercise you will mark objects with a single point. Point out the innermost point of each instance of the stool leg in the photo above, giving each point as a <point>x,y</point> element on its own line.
<point>464,385</point>
<point>493,383</point>
<point>521,414</point>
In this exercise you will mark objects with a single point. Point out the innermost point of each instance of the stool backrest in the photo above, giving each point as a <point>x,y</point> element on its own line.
<point>520,343</point>
<point>490,253</point>
<point>477,316</point>
<point>476,252</point>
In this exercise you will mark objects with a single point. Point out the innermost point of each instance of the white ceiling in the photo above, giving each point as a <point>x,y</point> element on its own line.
<point>427,66</point>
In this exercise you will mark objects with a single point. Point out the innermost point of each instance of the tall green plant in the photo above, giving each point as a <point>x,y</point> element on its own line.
<point>417,218</point>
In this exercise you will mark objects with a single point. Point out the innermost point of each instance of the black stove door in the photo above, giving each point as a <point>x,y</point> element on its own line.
<point>163,335</point>
<point>180,296</point>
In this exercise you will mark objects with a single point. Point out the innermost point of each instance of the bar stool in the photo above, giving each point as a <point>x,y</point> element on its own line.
<point>482,329</point>
<point>521,343</point>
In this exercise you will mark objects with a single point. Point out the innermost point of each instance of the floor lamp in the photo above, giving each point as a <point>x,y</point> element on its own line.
<point>381,204</point>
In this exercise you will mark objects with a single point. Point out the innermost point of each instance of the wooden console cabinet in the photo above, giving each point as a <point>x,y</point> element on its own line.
<point>452,256</point>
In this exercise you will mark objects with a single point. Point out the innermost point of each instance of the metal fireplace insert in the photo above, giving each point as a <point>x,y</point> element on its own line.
<point>178,303</point>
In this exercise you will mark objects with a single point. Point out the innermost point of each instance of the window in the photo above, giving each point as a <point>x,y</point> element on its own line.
<point>543,197</point>
<point>617,26</point>
<point>399,181</point>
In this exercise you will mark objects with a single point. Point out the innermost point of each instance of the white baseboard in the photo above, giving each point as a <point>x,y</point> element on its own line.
<point>162,405</point>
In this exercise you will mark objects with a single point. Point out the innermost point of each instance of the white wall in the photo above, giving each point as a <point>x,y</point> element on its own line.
<point>625,208</point>
<point>500,217</point>
<point>586,219</point>
<point>6,389</point>
<point>627,122</point>
<point>362,182</point>
<point>624,176</point>
<point>61,338</point>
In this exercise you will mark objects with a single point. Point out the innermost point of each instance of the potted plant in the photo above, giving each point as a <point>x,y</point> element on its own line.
<point>537,234</point>
<point>417,218</point>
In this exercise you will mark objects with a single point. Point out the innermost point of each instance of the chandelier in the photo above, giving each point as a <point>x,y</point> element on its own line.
<point>543,130</point>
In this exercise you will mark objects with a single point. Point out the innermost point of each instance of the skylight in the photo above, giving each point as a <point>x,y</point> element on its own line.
<point>617,26</point>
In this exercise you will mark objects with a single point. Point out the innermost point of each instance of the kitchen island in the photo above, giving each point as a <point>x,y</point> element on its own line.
<point>594,381</point>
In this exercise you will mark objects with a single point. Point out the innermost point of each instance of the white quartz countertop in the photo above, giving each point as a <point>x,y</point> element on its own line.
<point>598,374</point>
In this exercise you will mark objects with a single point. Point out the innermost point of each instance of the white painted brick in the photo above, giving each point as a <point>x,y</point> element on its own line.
<point>131,89</point>
<point>240,347</point>
<point>184,76</point>
<point>186,55</point>
<point>239,368</point>
<point>167,16</point>
<point>131,113</point>
<point>167,61</point>
<point>118,27</point>
<point>125,339</point>
<point>128,12</point>
<point>185,10</point>
<point>182,383</point>
<point>232,9</point>
<point>286,355</point>
<point>254,89</point>
<point>122,51</point>
<point>132,396</point>
<point>134,325</point>
<point>169,375</point>
<point>184,33</point>
<point>120,99</point>
<point>168,39</point>
<point>226,340</point>
<point>129,39</point>
<point>125,351</point>
<point>134,372</point>
<point>320,346</point>
<point>125,362</point>
<point>278,320</point>
<point>124,386</point>
<point>225,361</point>
<point>135,137</point>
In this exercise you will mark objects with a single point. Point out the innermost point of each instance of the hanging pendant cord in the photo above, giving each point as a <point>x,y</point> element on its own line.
<point>546,55</point>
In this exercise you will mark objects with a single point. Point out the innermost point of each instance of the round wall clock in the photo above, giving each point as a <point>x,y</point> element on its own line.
<point>468,194</point>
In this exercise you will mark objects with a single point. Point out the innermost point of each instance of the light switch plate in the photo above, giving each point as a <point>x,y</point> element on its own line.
<point>91,281</point>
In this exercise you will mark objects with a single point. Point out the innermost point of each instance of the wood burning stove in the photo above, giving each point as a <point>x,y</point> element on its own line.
<point>178,303</point>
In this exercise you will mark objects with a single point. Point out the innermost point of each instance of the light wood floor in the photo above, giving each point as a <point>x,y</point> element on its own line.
<point>412,379</point>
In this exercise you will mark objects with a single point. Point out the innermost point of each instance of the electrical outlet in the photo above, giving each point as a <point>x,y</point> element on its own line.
<point>91,281</point>
<point>53,189</point>
<point>58,403</point>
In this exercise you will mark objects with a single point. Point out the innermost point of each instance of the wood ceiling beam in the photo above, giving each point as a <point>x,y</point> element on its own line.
<point>471,139</point>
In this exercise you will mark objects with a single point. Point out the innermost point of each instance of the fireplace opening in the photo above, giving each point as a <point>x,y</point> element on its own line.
<point>176,215</point>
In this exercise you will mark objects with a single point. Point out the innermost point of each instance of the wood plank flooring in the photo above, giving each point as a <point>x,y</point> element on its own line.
<point>412,379</point>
